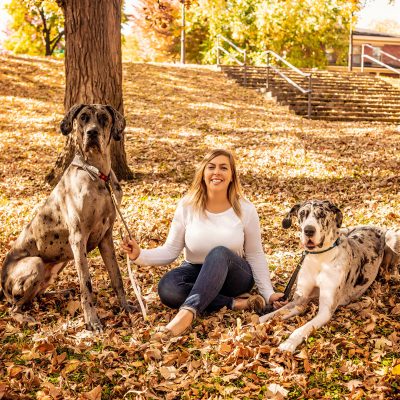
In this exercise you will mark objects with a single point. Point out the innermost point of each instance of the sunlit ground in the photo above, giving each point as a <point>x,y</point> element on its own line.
<point>174,115</point>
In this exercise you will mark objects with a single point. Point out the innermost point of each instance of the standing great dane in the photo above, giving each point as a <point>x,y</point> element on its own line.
<point>77,217</point>
<point>339,265</point>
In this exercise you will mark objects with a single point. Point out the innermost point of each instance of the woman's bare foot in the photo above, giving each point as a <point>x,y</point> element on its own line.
<point>180,322</point>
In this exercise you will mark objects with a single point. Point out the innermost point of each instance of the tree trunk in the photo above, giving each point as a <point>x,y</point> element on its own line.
<point>93,68</point>
<point>45,32</point>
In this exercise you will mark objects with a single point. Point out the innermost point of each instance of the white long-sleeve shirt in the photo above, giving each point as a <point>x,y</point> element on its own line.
<point>197,234</point>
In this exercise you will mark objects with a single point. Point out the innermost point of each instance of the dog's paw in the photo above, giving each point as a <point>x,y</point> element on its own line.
<point>266,317</point>
<point>23,318</point>
<point>287,346</point>
<point>131,307</point>
<point>94,325</point>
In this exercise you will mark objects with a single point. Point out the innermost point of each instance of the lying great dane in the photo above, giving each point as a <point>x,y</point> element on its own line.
<point>77,217</point>
<point>339,266</point>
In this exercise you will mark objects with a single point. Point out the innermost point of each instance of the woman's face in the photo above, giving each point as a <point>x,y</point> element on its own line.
<point>218,174</point>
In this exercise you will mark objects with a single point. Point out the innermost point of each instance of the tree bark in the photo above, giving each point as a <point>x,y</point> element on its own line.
<point>93,68</point>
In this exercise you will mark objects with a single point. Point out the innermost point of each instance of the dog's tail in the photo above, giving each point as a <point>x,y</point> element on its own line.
<point>392,240</point>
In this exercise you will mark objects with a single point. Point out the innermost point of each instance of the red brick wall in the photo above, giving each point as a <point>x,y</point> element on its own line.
<point>394,50</point>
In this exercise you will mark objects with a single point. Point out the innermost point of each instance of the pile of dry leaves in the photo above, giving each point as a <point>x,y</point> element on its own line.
<point>174,115</point>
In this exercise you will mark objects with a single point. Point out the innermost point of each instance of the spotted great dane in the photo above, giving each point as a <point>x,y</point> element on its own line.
<point>77,217</point>
<point>339,265</point>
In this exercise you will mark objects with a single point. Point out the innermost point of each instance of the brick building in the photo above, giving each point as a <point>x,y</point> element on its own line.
<point>376,44</point>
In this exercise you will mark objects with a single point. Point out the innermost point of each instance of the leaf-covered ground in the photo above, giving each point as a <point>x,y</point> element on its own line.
<point>174,115</point>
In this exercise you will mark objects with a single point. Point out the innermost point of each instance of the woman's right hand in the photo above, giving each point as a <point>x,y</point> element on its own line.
<point>131,248</point>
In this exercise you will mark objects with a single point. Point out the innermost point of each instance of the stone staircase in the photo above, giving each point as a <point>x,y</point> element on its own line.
<point>336,96</point>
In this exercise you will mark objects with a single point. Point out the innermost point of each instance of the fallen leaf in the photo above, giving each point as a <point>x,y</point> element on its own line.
<point>276,389</point>
<point>14,371</point>
<point>396,370</point>
<point>224,348</point>
<point>395,310</point>
<point>54,392</point>
<point>73,306</point>
<point>94,394</point>
<point>3,389</point>
<point>168,372</point>
<point>71,366</point>
<point>152,354</point>
<point>353,384</point>
<point>45,348</point>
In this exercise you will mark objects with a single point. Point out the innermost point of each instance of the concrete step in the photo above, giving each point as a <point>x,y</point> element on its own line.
<point>319,82</point>
<point>333,81</point>
<point>288,71</point>
<point>283,95</point>
<point>335,95</point>
<point>360,111</point>
<point>390,107</point>
<point>350,118</point>
<point>348,113</point>
<point>330,88</point>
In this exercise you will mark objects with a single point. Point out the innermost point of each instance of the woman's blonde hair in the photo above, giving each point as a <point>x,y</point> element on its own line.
<point>197,194</point>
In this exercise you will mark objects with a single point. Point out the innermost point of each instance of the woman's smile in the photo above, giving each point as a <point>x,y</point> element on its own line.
<point>218,173</point>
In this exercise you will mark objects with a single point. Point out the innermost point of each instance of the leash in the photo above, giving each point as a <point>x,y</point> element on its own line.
<point>95,173</point>
<point>293,278</point>
<point>132,277</point>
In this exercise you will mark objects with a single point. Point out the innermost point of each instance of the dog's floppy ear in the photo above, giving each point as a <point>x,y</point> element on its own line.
<point>339,215</point>
<point>67,123</point>
<point>119,123</point>
<point>287,221</point>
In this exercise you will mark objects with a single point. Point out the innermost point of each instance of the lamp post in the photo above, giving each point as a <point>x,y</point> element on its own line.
<point>350,59</point>
<point>183,38</point>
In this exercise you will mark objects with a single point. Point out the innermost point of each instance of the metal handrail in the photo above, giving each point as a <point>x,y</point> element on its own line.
<point>382,52</point>
<point>290,81</point>
<point>230,55</point>
<point>375,60</point>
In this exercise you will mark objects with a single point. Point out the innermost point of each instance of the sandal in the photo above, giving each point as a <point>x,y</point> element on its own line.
<point>256,303</point>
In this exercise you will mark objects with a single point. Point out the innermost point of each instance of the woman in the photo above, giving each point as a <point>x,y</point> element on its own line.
<point>219,231</point>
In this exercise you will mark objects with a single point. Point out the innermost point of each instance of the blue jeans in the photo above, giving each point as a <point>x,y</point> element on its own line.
<point>209,286</point>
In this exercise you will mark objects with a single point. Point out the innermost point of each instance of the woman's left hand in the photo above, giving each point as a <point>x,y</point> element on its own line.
<point>274,300</point>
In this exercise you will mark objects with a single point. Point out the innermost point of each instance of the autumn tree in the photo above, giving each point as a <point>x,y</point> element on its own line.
<point>155,24</point>
<point>37,27</point>
<point>302,30</point>
<point>93,69</point>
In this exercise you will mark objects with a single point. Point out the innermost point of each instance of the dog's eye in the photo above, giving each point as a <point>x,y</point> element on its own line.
<point>304,214</point>
<point>102,119</point>
<point>319,214</point>
<point>84,117</point>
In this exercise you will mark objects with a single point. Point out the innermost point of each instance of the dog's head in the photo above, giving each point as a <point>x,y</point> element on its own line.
<point>319,223</point>
<point>95,125</point>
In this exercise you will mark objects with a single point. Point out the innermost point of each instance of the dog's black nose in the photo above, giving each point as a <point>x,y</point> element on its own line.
<point>309,230</point>
<point>92,132</point>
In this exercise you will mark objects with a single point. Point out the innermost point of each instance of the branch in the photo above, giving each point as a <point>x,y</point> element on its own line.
<point>43,17</point>
<point>56,40</point>
<point>61,3</point>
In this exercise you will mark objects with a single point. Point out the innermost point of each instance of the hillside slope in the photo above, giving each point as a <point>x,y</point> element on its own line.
<point>174,115</point>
